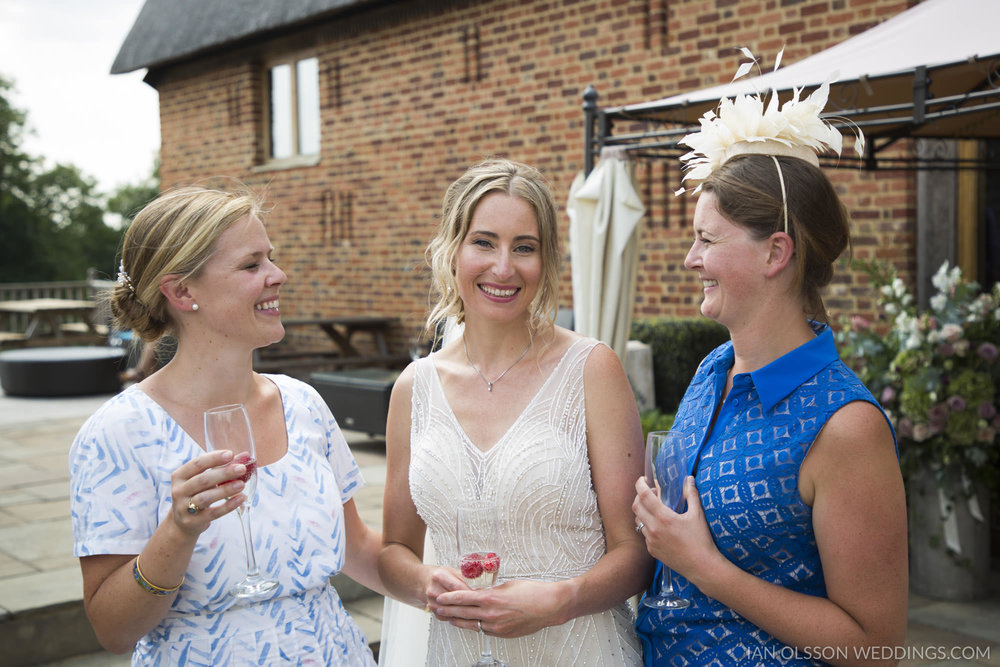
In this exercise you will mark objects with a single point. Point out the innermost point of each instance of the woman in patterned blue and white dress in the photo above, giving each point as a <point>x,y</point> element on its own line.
<point>197,262</point>
<point>793,546</point>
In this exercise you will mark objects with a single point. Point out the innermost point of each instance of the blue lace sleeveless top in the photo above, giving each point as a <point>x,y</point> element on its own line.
<point>747,472</point>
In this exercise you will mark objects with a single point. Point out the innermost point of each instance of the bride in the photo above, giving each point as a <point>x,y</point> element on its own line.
<point>528,416</point>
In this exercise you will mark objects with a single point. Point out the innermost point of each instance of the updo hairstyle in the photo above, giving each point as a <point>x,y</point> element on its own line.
<point>176,233</point>
<point>748,193</point>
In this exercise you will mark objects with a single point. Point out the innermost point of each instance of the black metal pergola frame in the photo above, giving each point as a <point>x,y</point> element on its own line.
<point>957,101</point>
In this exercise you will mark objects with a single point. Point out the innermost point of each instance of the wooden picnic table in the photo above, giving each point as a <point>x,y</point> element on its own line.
<point>45,314</point>
<point>342,353</point>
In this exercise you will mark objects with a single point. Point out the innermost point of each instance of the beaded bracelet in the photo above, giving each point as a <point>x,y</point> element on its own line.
<point>151,587</point>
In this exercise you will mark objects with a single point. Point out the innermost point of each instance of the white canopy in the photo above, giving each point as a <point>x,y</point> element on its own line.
<point>930,71</point>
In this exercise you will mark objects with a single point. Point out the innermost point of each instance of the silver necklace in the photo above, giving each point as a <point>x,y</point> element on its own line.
<point>489,384</point>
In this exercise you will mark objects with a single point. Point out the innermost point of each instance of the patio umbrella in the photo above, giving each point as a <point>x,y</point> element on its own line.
<point>604,212</point>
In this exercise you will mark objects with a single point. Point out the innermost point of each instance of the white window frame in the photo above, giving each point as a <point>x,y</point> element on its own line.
<point>302,140</point>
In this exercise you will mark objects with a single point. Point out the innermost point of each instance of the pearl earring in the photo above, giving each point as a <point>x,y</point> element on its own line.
<point>194,306</point>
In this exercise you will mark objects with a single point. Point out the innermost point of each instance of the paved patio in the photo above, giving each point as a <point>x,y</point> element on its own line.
<point>41,613</point>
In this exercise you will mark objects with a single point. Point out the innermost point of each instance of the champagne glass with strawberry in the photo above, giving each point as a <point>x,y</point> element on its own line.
<point>479,561</point>
<point>228,427</point>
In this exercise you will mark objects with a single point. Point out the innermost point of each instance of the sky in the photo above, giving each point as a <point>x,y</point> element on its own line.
<point>58,54</point>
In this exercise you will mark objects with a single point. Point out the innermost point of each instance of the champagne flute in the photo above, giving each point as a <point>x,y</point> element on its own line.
<point>478,560</point>
<point>228,427</point>
<point>666,468</point>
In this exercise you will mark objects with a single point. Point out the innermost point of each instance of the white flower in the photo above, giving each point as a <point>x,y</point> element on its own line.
<point>938,302</point>
<point>945,280</point>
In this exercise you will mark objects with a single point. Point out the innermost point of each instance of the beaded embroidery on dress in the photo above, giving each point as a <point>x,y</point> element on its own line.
<point>538,475</point>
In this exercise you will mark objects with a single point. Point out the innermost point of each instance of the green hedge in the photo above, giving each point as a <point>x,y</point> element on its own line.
<point>678,347</point>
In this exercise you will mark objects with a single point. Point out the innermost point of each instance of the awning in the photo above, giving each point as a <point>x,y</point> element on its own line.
<point>932,71</point>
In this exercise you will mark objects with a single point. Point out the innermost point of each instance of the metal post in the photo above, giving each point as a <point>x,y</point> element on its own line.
<point>589,117</point>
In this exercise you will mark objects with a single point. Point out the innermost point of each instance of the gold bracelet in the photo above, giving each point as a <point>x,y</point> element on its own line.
<point>149,586</point>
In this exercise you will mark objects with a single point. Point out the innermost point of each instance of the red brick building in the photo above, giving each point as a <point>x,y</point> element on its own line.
<point>395,99</point>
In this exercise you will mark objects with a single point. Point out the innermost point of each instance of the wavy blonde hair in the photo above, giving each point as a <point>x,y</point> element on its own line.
<point>459,205</point>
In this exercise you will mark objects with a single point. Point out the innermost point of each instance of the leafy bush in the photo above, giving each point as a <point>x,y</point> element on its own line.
<point>654,420</point>
<point>678,347</point>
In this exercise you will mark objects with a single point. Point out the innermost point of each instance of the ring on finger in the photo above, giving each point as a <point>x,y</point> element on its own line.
<point>193,508</point>
<point>480,623</point>
<point>639,528</point>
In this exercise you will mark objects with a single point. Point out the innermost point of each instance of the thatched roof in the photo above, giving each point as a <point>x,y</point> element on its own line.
<point>171,30</point>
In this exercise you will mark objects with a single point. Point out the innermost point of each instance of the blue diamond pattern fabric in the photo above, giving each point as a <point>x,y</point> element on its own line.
<point>120,467</point>
<point>747,471</point>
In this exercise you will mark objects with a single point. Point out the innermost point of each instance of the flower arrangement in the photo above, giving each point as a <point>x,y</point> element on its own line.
<point>936,372</point>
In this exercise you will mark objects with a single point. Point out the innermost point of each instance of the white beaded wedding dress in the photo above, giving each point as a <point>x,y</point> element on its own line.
<point>538,475</point>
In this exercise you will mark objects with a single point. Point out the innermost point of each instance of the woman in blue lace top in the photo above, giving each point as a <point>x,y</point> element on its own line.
<point>793,548</point>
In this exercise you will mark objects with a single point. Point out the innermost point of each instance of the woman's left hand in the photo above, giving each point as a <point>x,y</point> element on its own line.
<point>683,542</point>
<point>512,609</point>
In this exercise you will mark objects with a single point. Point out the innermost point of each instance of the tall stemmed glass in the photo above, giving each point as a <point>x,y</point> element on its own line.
<point>479,561</point>
<point>666,467</point>
<point>228,427</point>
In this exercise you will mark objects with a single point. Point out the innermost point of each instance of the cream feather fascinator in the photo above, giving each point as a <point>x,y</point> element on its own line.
<point>748,124</point>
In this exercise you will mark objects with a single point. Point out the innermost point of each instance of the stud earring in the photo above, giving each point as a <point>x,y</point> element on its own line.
<point>194,306</point>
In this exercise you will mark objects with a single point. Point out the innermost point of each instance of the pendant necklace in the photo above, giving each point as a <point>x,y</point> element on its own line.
<point>489,384</point>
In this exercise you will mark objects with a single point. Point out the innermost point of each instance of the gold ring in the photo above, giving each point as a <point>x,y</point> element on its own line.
<point>427,607</point>
<point>192,508</point>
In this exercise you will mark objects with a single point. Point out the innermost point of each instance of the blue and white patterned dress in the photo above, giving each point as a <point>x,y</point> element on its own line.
<point>120,467</point>
<point>747,472</point>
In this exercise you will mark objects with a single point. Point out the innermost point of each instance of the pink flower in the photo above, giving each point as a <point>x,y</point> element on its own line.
<point>858,322</point>
<point>987,351</point>
<point>946,350</point>
<point>938,413</point>
<point>921,432</point>
<point>888,395</point>
<point>951,332</point>
<point>987,410</point>
<point>956,403</point>
<point>905,428</point>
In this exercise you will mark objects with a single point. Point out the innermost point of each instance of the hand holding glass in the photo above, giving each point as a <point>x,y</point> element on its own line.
<point>666,468</point>
<point>228,427</point>
<point>479,561</point>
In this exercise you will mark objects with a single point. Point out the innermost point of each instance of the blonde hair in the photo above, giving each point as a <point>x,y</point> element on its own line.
<point>175,234</point>
<point>459,205</point>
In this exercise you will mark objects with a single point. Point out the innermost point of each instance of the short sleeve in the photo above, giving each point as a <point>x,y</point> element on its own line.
<point>117,480</point>
<point>337,451</point>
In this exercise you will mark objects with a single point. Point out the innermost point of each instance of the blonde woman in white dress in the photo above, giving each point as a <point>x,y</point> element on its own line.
<point>526,415</point>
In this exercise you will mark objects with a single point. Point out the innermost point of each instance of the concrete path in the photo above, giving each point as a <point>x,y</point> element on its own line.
<point>41,613</point>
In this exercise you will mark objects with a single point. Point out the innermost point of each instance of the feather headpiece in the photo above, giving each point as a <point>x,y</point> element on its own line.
<point>746,124</point>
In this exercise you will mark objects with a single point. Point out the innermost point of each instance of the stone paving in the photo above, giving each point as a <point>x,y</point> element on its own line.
<point>41,617</point>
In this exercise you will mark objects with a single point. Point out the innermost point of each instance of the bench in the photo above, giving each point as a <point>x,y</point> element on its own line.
<point>358,398</point>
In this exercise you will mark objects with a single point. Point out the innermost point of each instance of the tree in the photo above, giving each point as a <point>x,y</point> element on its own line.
<point>126,201</point>
<point>51,220</point>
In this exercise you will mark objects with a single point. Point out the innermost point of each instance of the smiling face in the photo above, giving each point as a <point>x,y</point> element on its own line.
<point>237,291</point>
<point>729,261</point>
<point>499,264</point>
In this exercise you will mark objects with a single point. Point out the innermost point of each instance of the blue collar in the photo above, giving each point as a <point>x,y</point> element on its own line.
<point>783,375</point>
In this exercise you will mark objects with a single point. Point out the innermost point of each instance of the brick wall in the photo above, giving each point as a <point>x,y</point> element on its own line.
<point>413,94</point>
